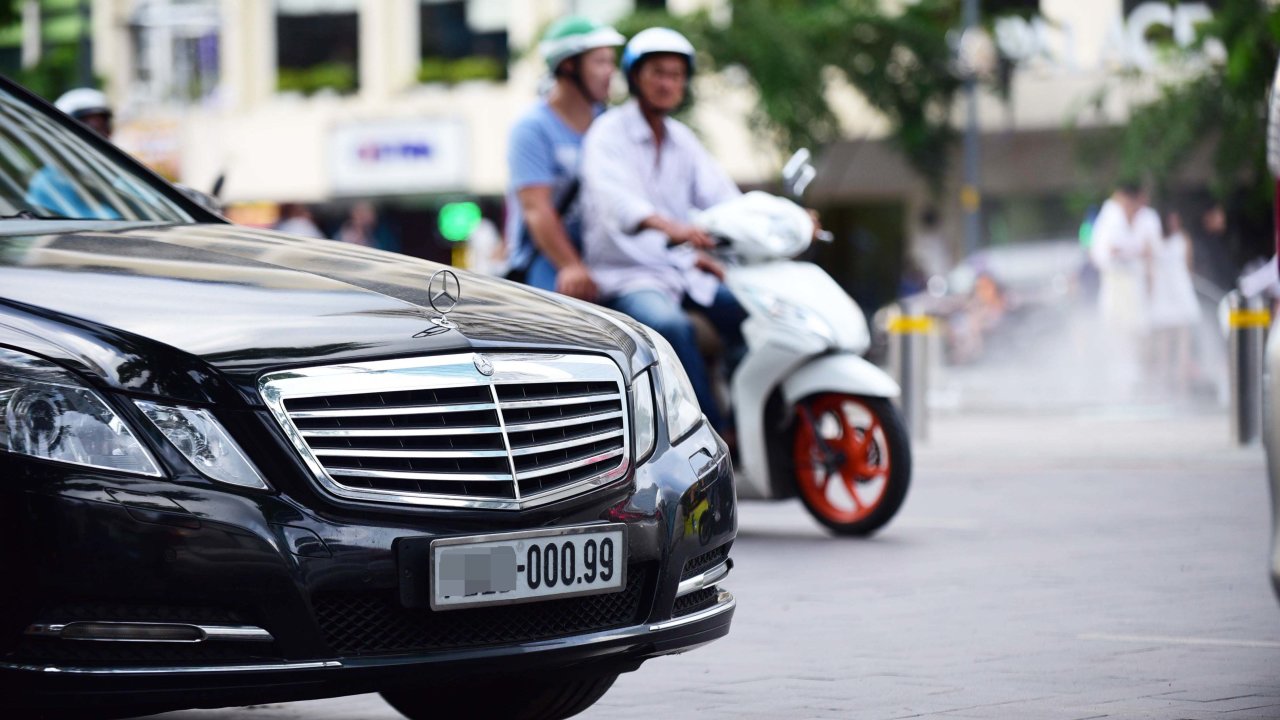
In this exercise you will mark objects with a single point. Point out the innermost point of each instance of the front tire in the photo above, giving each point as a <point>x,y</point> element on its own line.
<point>516,698</point>
<point>852,461</point>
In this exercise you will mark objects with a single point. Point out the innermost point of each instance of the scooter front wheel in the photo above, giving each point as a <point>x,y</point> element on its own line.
<point>852,461</point>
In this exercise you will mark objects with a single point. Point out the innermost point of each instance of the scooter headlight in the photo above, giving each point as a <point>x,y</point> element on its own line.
<point>45,412</point>
<point>679,402</point>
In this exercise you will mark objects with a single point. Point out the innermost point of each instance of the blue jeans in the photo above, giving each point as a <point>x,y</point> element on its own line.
<point>541,274</point>
<point>657,310</point>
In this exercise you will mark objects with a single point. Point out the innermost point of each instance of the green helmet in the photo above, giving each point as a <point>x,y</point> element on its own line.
<point>575,35</point>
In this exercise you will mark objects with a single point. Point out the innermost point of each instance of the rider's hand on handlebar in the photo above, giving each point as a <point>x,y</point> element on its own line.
<point>681,233</point>
<point>575,281</point>
<point>708,264</point>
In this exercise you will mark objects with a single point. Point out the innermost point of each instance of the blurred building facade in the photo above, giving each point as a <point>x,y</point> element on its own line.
<point>409,102</point>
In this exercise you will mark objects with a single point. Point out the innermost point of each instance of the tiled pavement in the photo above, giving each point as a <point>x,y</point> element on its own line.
<point>1110,563</point>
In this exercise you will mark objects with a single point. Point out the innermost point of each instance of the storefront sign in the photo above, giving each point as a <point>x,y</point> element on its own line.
<point>396,157</point>
<point>1128,42</point>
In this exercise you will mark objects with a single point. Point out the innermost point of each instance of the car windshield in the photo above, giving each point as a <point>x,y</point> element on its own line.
<point>47,171</point>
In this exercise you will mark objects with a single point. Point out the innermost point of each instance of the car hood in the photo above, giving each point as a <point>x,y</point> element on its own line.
<point>245,301</point>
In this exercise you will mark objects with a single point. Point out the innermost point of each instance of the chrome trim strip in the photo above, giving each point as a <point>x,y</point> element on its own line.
<point>230,633</point>
<point>446,371</point>
<point>236,633</point>
<point>378,452</point>
<point>402,432</point>
<point>584,440</point>
<point>506,443</point>
<point>564,422</point>
<point>570,400</point>
<point>705,580</point>
<point>725,602</point>
<point>390,410</point>
<point>155,670</point>
<point>571,465</point>
<point>408,475</point>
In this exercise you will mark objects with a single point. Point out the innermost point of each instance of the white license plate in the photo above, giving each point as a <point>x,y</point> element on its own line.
<point>526,566</point>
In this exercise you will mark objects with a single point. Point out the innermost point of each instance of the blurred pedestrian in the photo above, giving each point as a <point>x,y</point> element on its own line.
<point>486,253</point>
<point>644,175</point>
<point>1173,308</point>
<point>1214,258</point>
<point>363,228</point>
<point>544,224</point>
<point>296,219</point>
<point>1124,237</point>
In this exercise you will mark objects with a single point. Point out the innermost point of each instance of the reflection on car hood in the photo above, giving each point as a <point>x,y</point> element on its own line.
<point>246,300</point>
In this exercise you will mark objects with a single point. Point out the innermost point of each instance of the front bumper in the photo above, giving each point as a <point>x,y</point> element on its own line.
<point>87,547</point>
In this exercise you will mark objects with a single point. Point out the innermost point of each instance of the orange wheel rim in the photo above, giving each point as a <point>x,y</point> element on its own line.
<point>847,488</point>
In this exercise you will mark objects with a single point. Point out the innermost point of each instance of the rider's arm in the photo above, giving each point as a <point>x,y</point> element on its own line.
<point>678,232</point>
<point>545,226</point>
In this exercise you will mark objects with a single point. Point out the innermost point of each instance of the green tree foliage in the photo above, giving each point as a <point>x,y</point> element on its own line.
<point>792,49</point>
<point>1221,103</point>
<point>1224,106</point>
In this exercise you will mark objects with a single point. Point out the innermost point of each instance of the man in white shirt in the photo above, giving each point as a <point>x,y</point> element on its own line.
<point>643,176</point>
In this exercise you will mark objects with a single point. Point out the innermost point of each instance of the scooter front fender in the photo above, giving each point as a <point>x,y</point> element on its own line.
<point>842,373</point>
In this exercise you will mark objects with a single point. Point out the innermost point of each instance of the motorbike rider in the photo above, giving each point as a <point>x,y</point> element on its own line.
<point>51,189</point>
<point>644,175</point>
<point>544,152</point>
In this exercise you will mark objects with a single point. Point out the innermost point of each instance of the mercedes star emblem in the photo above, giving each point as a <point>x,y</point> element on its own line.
<point>443,292</point>
<point>483,364</point>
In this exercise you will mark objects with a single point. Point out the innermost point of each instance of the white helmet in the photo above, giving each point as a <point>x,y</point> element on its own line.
<point>83,101</point>
<point>656,40</point>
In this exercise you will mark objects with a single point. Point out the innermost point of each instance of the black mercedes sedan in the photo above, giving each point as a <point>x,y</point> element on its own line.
<point>241,467</point>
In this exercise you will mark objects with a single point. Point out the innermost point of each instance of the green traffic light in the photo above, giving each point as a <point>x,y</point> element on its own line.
<point>458,220</point>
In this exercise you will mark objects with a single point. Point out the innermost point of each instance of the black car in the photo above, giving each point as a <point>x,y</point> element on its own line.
<point>241,467</point>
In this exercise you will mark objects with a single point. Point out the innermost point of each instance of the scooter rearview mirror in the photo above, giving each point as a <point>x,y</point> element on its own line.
<point>805,176</point>
<point>792,167</point>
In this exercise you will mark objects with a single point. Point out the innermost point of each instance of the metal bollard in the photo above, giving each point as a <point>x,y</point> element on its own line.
<point>1248,320</point>
<point>909,341</point>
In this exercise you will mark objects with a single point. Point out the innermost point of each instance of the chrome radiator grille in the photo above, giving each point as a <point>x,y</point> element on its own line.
<point>437,431</point>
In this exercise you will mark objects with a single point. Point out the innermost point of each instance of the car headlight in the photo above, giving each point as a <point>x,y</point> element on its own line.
<point>205,444</point>
<point>45,412</point>
<point>646,419</point>
<point>679,402</point>
<point>789,313</point>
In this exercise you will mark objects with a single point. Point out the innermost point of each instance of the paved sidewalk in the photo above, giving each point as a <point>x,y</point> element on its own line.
<point>1104,563</point>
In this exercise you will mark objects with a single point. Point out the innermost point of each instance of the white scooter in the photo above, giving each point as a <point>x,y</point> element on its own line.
<point>813,417</point>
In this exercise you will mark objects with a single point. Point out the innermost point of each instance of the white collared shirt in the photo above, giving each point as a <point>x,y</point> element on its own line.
<point>625,181</point>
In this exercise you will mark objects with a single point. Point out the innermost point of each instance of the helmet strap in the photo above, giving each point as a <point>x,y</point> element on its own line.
<point>575,77</point>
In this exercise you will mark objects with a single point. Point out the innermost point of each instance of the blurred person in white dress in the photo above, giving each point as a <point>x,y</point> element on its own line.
<point>1125,236</point>
<point>1173,310</point>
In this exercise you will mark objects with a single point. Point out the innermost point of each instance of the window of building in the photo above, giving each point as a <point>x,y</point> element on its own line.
<point>462,40</point>
<point>174,46</point>
<point>317,45</point>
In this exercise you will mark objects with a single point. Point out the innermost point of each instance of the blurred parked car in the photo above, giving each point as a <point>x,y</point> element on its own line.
<point>243,467</point>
